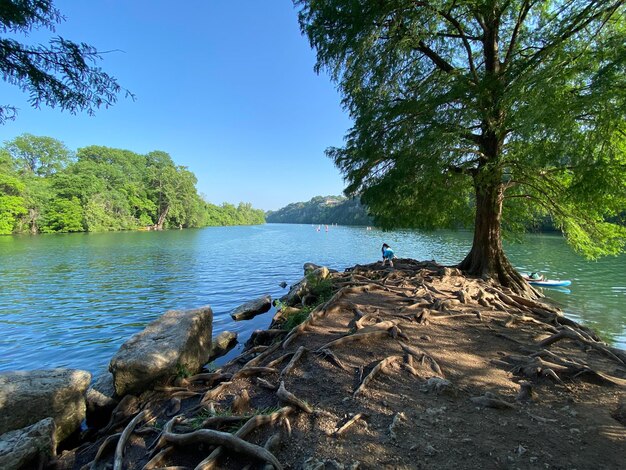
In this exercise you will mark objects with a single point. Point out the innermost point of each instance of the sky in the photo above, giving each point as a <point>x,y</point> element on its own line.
<point>226,87</point>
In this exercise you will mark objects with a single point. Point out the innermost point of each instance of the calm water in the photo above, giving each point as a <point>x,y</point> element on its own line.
<point>71,300</point>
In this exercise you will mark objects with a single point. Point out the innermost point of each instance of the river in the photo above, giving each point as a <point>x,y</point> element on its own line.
<point>70,300</point>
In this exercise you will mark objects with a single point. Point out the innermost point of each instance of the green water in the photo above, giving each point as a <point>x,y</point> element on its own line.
<point>70,300</point>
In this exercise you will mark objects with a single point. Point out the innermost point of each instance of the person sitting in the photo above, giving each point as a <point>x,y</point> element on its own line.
<point>536,276</point>
<point>387,254</point>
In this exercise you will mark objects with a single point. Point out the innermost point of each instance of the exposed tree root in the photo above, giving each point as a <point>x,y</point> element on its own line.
<point>378,368</point>
<point>251,425</point>
<point>272,444</point>
<point>209,378</point>
<point>289,398</point>
<point>214,393</point>
<point>106,444</point>
<point>265,384</point>
<point>127,407</point>
<point>289,367</point>
<point>330,356</point>
<point>348,424</point>
<point>158,460</point>
<point>261,357</point>
<point>489,400</point>
<point>376,333</point>
<point>422,356</point>
<point>252,371</point>
<point>241,403</point>
<point>280,359</point>
<point>121,444</point>
<point>223,439</point>
<point>570,333</point>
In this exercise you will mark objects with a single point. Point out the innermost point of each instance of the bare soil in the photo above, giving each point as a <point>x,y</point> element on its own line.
<point>411,367</point>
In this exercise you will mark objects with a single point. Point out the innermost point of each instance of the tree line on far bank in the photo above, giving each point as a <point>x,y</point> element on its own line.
<point>46,188</point>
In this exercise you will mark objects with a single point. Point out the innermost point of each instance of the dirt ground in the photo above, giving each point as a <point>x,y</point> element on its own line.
<point>411,367</point>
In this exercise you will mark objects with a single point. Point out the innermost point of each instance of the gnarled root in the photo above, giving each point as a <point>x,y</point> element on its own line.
<point>289,398</point>
<point>119,449</point>
<point>223,439</point>
<point>570,333</point>
<point>376,333</point>
<point>422,356</point>
<point>378,368</point>
<point>158,460</point>
<point>246,429</point>
<point>330,356</point>
<point>288,368</point>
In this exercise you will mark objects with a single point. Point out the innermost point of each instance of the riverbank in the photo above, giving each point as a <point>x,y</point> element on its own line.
<point>411,367</point>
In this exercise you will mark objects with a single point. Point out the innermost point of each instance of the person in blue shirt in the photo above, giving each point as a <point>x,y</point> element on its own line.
<point>387,254</point>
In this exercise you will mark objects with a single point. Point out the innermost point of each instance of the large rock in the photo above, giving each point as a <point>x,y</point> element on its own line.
<point>223,343</point>
<point>28,447</point>
<point>252,309</point>
<point>27,397</point>
<point>100,399</point>
<point>177,342</point>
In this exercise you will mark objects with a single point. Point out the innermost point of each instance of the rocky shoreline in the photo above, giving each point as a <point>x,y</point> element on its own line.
<point>412,367</point>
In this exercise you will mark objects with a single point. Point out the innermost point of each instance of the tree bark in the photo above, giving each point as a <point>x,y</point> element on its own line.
<point>486,259</point>
<point>161,221</point>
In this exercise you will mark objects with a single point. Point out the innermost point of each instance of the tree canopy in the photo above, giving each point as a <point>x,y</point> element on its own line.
<point>45,187</point>
<point>62,73</point>
<point>492,113</point>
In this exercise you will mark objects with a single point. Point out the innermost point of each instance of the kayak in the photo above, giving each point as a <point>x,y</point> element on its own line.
<point>548,282</point>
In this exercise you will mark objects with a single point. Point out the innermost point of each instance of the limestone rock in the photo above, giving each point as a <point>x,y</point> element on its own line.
<point>310,267</point>
<point>222,343</point>
<point>178,341</point>
<point>100,398</point>
<point>26,447</point>
<point>27,397</point>
<point>252,309</point>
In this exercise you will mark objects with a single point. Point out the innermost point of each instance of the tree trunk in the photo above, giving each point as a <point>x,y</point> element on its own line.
<point>161,221</point>
<point>486,259</point>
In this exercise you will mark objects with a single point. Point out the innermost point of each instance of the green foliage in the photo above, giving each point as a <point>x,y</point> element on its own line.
<point>294,319</point>
<point>182,371</point>
<point>43,188</point>
<point>62,73</point>
<point>322,210</point>
<point>63,215</point>
<point>321,289</point>
<point>481,113</point>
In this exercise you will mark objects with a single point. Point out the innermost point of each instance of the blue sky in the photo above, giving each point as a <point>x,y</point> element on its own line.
<point>226,87</point>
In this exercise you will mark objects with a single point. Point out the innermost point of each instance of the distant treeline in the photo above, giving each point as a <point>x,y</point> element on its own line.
<point>44,187</point>
<point>322,210</point>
